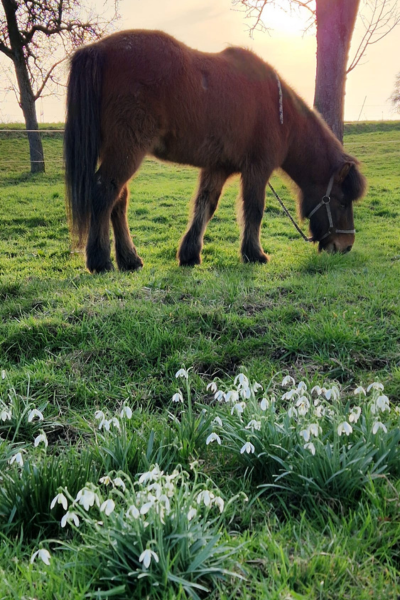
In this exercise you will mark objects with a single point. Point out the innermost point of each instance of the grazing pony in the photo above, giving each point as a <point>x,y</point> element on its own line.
<point>143,92</point>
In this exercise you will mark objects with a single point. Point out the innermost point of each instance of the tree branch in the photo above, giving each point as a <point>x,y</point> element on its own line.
<point>47,77</point>
<point>383,19</point>
<point>6,50</point>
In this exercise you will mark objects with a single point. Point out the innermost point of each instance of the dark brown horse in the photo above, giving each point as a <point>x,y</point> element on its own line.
<point>143,92</point>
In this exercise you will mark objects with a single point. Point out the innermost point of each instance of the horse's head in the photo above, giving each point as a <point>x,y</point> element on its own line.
<point>329,207</point>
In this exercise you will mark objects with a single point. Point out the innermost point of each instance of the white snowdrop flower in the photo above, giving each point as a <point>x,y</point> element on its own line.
<point>329,412</point>
<point>292,412</point>
<point>5,415</point>
<point>316,391</point>
<point>43,554</point>
<point>107,507</point>
<point>354,414</point>
<point>219,396</point>
<point>152,475</point>
<point>126,412</point>
<point>177,397</point>
<point>256,387</point>
<point>344,428</point>
<point>133,512</point>
<point>377,426</point>
<point>360,390</point>
<point>70,517</point>
<point>42,438</point>
<point>397,410</point>
<point>59,499</point>
<point>241,380</point>
<point>191,514</point>
<point>238,408</point>
<point>302,387</point>
<point>217,421</point>
<point>206,497</point>
<point>375,386</point>
<point>303,405</point>
<point>99,415</point>
<point>3,374</point>
<point>106,480</point>
<point>310,446</point>
<point>247,447</point>
<point>35,413</point>
<point>105,424</point>
<point>264,404</point>
<point>231,396</point>
<point>114,421</point>
<point>148,555</point>
<point>213,437</point>
<point>289,395</point>
<point>245,393</point>
<point>254,425</point>
<point>319,411</point>
<point>305,433</point>
<point>17,458</point>
<point>218,501</point>
<point>315,429</point>
<point>147,506</point>
<point>382,403</point>
<point>87,498</point>
<point>118,482</point>
<point>287,381</point>
<point>156,488</point>
<point>212,387</point>
<point>182,373</point>
<point>332,393</point>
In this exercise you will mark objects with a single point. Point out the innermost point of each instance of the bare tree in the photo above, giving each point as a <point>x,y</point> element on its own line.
<point>37,36</point>
<point>335,21</point>
<point>395,97</point>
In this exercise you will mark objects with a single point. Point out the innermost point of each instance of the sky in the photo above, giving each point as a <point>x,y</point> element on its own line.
<point>212,25</point>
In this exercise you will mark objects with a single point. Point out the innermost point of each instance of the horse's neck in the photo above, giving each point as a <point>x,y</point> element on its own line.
<point>310,152</point>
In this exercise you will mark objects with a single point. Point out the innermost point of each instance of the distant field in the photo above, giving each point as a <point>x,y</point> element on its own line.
<point>72,343</point>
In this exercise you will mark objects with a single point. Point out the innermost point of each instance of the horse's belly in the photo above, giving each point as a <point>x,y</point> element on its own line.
<point>198,151</point>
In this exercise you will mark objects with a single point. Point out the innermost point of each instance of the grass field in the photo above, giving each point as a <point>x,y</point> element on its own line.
<point>298,521</point>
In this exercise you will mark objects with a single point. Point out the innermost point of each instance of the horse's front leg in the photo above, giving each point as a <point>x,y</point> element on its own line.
<point>205,204</point>
<point>253,195</point>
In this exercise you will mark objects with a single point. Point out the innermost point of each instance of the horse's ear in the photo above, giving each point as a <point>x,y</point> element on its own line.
<point>344,171</point>
<point>352,181</point>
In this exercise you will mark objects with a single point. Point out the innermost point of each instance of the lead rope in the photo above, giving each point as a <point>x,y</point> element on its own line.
<point>305,238</point>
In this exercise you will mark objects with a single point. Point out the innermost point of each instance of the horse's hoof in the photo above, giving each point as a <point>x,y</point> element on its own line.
<point>101,268</point>
<point>255,258</point>
<point>190,262</point>
<point>133,264</point>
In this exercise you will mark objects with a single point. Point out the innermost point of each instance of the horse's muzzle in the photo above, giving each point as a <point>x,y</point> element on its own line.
<point>342,243</point>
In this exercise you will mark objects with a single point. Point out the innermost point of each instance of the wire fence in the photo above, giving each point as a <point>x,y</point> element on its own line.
<point>24,162</point>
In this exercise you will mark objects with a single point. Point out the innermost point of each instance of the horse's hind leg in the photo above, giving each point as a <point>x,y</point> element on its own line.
<point>205,204</point>
<point>109,183</point>
<point>253,194</point>
<point>125,251</point>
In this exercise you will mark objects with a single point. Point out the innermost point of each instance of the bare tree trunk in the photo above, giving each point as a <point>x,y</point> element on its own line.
<point>27,97</point>
<point>335,24</point>
<point>28,107</point>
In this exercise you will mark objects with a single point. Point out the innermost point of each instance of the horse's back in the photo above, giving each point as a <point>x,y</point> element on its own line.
<point>186,105</point>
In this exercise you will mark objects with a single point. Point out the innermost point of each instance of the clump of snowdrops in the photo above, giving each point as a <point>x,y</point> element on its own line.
<point>319,443</point>
<point>161,532</point>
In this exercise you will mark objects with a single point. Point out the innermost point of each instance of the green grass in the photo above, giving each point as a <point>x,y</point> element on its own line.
<point>71,343</point>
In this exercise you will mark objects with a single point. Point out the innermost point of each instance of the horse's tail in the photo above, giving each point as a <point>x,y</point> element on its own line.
<point>82,135</point>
